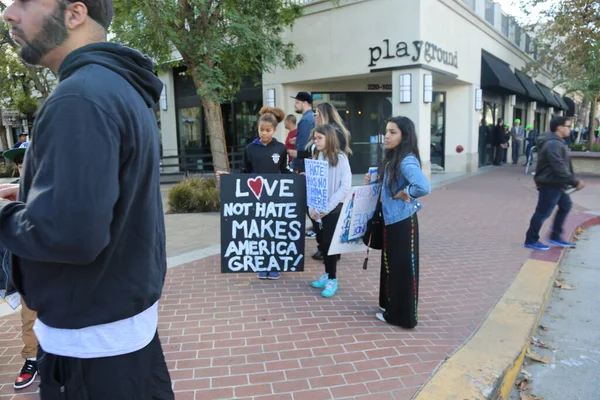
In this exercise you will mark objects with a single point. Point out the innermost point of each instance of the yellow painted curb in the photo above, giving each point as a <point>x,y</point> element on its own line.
<point>487,365</point>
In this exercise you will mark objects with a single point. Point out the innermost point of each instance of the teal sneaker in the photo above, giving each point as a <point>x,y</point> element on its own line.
<point>321,282</point>
<point>330,288</point>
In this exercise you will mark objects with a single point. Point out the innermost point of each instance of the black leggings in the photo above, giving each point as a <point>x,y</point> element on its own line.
<point>328,230</point>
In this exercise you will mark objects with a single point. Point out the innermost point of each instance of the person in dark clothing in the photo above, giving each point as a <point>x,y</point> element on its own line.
<point>303,106</point>
<point>87,234</point>
<point>499,136</point>
<point>531,137</point>
<point>554,174</point>
<point>266,155</point>
<point>483,137</point>
<point>22,139</point>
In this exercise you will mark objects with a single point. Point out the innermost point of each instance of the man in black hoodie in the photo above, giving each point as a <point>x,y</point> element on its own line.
<point>87,233</point>
<point>554,174</point>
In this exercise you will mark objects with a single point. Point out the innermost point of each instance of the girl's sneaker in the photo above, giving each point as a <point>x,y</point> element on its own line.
<point>274,275</point>
<point>321,282</point>
<point>263,275</point>
<point>330,288</point>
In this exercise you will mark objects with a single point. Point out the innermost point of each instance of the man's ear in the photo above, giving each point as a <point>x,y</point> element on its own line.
<point>76,15</point>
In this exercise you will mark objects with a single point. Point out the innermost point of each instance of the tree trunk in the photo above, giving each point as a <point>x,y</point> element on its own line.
<point>216,134</point>
<point>214,123</point>
<point>592,122</point>
<point>3,137</point>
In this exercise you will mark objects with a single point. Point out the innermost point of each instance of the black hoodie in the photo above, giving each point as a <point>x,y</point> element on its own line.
<point>88,234</point>
<point>554,168</point>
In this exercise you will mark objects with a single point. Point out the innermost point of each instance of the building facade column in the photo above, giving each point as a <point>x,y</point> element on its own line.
<point>531,108</point>
<point>168,121</point>
<point>549,117</point>
<point>509,110</point>
<point>417,110</point>
<point>461,130</point>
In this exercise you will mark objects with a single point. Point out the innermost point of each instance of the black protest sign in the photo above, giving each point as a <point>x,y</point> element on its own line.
<point>262,222</point>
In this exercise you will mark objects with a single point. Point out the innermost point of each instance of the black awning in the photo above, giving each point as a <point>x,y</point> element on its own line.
<point>562,103</point>
<point>550,99</point>
<point>570,106</point>
<point>532,90</point>
<point>496,75</point>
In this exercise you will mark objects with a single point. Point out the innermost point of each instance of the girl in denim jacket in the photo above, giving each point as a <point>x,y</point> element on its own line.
<point>403,183</point>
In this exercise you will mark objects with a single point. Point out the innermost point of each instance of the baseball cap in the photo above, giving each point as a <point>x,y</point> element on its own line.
<point>517,121</point>
<point>529,126</point>
<point>304,96</point>
<point>100,11</point>
<point>12,154</point>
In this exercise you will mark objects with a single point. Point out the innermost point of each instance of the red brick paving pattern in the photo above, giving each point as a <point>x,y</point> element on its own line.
<point>230,337</point>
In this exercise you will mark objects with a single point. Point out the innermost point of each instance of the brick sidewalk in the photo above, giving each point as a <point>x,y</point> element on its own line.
<point>233,336</point>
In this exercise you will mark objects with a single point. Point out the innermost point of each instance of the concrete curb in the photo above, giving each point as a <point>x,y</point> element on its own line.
<point>487,365</point>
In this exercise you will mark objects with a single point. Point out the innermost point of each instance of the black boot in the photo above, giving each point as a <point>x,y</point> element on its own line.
<point>318,255</point>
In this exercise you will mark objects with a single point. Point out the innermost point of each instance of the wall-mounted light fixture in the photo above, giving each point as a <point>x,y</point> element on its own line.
<point>534,105</point>
<point>513,100</point>
<point>270,98</point>
<point>163,98</point>
<point>478,99</point>
<point>427,88</point>
<point>405,88</point>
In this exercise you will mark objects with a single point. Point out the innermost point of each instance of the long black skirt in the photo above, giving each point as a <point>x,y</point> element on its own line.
<point>399,285</point>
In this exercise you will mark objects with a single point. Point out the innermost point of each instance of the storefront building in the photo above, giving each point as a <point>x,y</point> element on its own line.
<point>446,64</point>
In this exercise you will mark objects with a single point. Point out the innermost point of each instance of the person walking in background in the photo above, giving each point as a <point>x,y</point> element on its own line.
<point>517,135</point>
<point>499,141</point>
<point>402,184</point>
<point>554,174</point>
<point>28,317</point>
<point>506,142</point>
<point>290,140</point>
<point>483,137</point>
<point>303,105</point>
<point>87,234</point>
<point>532,135</point>
<point>339,184</point>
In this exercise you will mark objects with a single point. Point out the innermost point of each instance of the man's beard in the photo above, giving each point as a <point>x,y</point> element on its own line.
<point>52,35</point>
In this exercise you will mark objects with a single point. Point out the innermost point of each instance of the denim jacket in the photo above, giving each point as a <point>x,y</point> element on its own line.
<point>416,184</point>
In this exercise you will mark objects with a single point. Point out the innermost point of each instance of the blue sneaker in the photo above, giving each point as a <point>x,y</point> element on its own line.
<point>274,275</point>
<point>537,246</point>
<point>263,275</point>
<point>330,288</point>
<point>321,282</point>
<point>561,243</point>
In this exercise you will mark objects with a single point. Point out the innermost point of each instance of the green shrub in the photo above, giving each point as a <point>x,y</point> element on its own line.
<point>585,147</point>
<point>194,195</point>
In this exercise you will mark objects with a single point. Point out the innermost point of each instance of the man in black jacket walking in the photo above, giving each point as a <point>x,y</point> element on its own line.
<point>87,233</point>
<point>554,175</point>
<point>499,134</point>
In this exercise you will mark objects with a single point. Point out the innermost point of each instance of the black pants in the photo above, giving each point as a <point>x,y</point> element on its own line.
<point>547,200</point>
<point>498,154</point>
<point>399,280</point>
<point>327,231</point>
<point>142,375</point>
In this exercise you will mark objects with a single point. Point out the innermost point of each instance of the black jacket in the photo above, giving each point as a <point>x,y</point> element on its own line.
<point>269,159</point>
<point>554,167</point>
<point>88,234</point>
<point>499,135</point>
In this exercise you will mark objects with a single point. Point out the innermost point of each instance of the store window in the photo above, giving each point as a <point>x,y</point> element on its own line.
<point>246,122</point>
<point>489,11</point>
<point>505,25</point>
<point>438,125</point>
<point>470,4</point>
<point>518,33</point>
<point>190,124</point>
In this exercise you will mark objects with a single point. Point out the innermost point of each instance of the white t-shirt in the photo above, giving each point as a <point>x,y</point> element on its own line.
<point>106,340</point>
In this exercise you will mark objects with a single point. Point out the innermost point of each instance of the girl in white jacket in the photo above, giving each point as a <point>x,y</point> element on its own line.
<point>338,186</point>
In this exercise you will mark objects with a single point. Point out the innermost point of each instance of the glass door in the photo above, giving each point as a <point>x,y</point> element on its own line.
<point>438,129</point>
